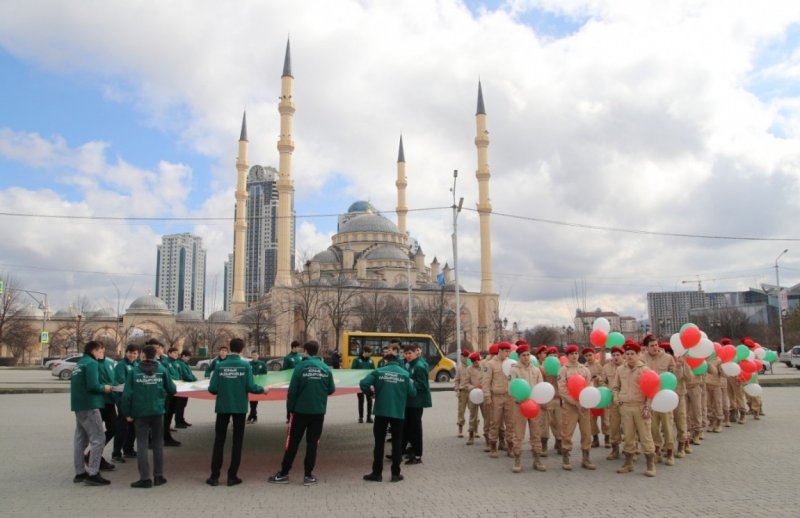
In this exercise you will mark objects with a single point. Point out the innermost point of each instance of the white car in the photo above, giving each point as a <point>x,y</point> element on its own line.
<point>794,356</point>
<point>62,369</point>
<point>50,364</point>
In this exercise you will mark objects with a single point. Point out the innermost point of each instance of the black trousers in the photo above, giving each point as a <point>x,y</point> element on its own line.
<point>179,406</point>
<point>299,424</point>
<point>126,434</point>
<point>169,412</point>
<point>361,397</point>
<point>412,432</point>
<point>254,408</point>
<point>221,431</point>
<point>109,416</point>
<point>379,431</point>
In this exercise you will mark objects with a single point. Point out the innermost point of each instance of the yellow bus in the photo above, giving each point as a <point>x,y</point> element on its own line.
<point>441,368</point>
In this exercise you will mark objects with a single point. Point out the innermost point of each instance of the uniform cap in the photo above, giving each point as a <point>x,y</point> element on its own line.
<point>617,349</point>
<point>571,349</point>
<point>524,348</point>
<point>475,356</point>
<point>725,341</point>
<point>494,349</point>
<point>633,346</point>
<point>588,350</point>
<point>465,353</point>
<point>520,342</point>
<point>504,345</point>
<point>552,350</point>
<point>541,349</point>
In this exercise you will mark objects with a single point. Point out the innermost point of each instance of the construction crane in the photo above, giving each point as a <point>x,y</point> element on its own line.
<point>699,282</point>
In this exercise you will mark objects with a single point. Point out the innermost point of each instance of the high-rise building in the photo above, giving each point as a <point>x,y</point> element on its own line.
<point>261,238</point>
<point>669,310</point>
<point>227,288</point>
<point>181,272</point>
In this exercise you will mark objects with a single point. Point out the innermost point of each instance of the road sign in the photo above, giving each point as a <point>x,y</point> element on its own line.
<point>45,337</point>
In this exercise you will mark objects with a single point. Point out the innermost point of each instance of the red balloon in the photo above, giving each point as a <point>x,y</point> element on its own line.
<point>514,347</point>
<point>529,408</point>
<point>597,357</point>
<point>598,337</point>
<point>575,384</point>
<point>562,359</point>
<point>717,348</point>
<point>694,362</point>
<point>727,353</point>
<point>649,382</point>
<point>759,365</point>
<point>597,412</point>
<point>745,376</point>
<point>690,336</point>
<point>748,366</point>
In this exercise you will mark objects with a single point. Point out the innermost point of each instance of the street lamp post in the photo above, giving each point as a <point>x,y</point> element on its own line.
<point>780,308</point>
<point>456,288</point>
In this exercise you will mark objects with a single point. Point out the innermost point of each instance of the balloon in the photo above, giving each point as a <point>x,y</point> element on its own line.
<point>514,356</point>
<point>615,340</point>
<point>686,325</point>
<point>753,389</point>
<point>529,408</point>
<point>759,365</point>
<point>717,348</point>
<point>601,324</point>
<point>513,348</point>
<point>543,393</point>
<point>665,401</point>
<point>741,352</point>
<point>649,382</point>
<point>751,356</point>
<point>745,376</point>
<point>771,356</point>
<point>597,412</point>
<point>575,384</point>
<point>534,362</point>
<point>731,369</point>
<point>753,378</point>
<point>760,353</point>
<point>668,381</point>
<point>694,362</point>
<point>519,389</point>
<point>476,396</point>
<point>507,364</point>
<point>691,336</point>
<point>562,360</point>
<point>747,365</point>
<point>606,396</point>
<point>551,366</point>
<point>701,369</point>
<point>727,353</point>
<point>677,346</point>
<point>589,397</point>
<point>598,337</point>
<point>703,349</point>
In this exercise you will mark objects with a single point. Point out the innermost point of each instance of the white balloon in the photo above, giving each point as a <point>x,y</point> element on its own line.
<point>703,335</point>
<point>751,356</point>
<point>677,346</point>
<point>753,389</point>
<point>476,396</point>
<point>601,323</point>
<point>543,393</point>
<point>589,397</point>
<point>703,349</point>
<point>665,401</point>
<point>731,369</point>
<point>760,353</point>
<point>507,363</point>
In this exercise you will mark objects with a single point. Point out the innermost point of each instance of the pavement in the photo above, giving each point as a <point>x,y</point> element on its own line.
<point>745,471</point>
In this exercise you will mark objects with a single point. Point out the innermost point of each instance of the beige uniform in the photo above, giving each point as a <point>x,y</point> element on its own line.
<point>611,421</point>
<point>553,410</point>
<point>572,414</point>
<point>680,412</point>
<point>694,401</point>
<point>662,422</point>
<point>460,386</point>
<point>598,379</point>
<point>474,377</point>
<point>495,390</point>
<point>631,402</point>
<point>714,383</point>
<point>532,375</point>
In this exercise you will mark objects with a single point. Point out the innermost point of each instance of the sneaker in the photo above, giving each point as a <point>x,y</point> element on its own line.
<point>117,459</point>
<point>234,481</point>
<point>171,442</point>
<point>397,478</point>
<point>143,484</point>
<point>80,477</point>
<point>129,454</point>
<point>96,480</point>
<point>373,477</point>
<point>309,480</point>
<point>414,460</point>
<point>360,419</point>
<point>181,425</point>
<point>159,481</point>
<point>212,481</point>
<point>105,465</point>
<point>369,420</point>
<point>279,478</point>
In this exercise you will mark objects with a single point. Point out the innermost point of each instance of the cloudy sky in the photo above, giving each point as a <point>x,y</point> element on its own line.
<point>634,144</point>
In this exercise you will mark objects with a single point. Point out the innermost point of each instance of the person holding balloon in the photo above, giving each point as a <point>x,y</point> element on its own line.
<point>611,415</point>
<point>544,420</point>
<point>462,392</point>
<point>598,379</point>
<point>572,378</point>
<point>659,361</point>
<point>550,368</point>
<point>495,393</point>
<point>473,376</point>
<point>524,375</point>
<point>679,414</point>
<point>714,381</point>
<point>738,404</point>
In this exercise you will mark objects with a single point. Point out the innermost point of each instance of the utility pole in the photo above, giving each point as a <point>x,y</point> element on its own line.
<point>780,305</point>
<point>456,210</point>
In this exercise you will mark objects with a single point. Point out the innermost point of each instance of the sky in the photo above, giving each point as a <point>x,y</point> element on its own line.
<point>636,145</point>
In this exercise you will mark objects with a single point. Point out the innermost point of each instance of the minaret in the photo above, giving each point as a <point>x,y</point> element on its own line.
<point>485,213</point>
<point>240,223</point>
<point>285,183</point>
<point>401,184</point>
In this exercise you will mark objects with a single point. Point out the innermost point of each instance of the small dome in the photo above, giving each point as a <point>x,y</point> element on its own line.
<point>189,315</point>
<point>29,312</point>
<point>220,316</point>
<point>385,253</point>
<point>148,304</point>
<point>380,284</point>
<point>369,223</point>
<point>361,206</point>
<point>105,313</point>
<point>326,257</point>
<point>70,312</point>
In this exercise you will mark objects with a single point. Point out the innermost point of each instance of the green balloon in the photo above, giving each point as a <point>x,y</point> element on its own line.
<point>742,352</point>
<point>701,369</point>
<point>514,356</point>
<point>669,381</point>
<point>687,324</point>
<point>771,356</point>
<point>615,339</point>
<point>606,396</point>
<point>534,362</point>
<point>519,389</point>
<point>552,366</point>
<point>753,378</point>
<point>469,362</point>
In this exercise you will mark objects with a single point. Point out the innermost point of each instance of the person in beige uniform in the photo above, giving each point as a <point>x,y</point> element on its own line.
<point>543,422</point>
<point>495,392</point>
<point>681,427</point>
<point>474,380</point>
<point>460,387</point>
<point>554,407</point>
<point>736,399</point>
<point>487,405</point>
<point>694,406</point>
<point>598,379</point>
<point>612,412</point>
<point>659,361</point>
<point>714,381</point>
<point>525,370</point>
<point>572,414</point>
<point>634,409</point>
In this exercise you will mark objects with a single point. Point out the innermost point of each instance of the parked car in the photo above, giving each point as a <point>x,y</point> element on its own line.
<point>786,357</point>
<point>62,369</point>
<point>54,362</point>
<point>795,356</point>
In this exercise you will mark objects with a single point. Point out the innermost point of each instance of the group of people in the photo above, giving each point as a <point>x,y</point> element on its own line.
<point>706,404</point>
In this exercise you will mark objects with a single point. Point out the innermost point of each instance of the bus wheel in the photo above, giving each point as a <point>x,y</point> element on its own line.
<point>442,376</point>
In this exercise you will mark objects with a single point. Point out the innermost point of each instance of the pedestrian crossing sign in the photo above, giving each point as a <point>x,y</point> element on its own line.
<point>45,337</point>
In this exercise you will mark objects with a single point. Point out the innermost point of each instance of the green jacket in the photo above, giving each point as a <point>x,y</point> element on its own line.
<point>86,391</point>
<point>291,360</point>
<point>231,381</point>
<point>392,387</point>
<point>361,363</point>
<point>311,384</point>
<point>211,366</point>
<point>259,367</point>
<point>121,370</point>
<point>146,389</point>
<point>184,370</point>
<point>418,370</point>
<point>106,373</point>
<point>171,366</point>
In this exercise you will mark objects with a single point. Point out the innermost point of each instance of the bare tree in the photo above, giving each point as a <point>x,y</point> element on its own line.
<point>379,312</point>
<point>339,301</point>
<point>259,321</point>
<point>542,335</point>
<point>305,301</point>
<point>171,334</point>
<point>724,323</point>
<point>20,337</point>
<point>193,335</point>
<point>438,319</point>
<point>8,306</point>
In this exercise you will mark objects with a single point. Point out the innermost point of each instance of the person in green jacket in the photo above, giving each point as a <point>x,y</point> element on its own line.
<point>418,370</point>
<point>169,361</point>
<point>108,413</point>
<point>259,368</point>
<point>144,403</point>
<point>392,387</point>
<point>291,360</point>
<point>86,400</point>
<point>306,401</point>
<point>184,371</point>
<point>364,362</point>
<point>231,381</point>
<point>222,353</point>
<point>123,440</point>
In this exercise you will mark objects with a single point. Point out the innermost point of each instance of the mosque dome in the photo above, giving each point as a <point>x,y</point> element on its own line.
<point>105,313</point>
<point>369,223</point>
<point>70,312</point>
<point>362,206</point>
<point>29,312</point>
<point>220,316</point>
<point>390,253</point>
<point>189,315</point>
<point>148,304</point>
<point>326,256</point>
<point>380,284</point>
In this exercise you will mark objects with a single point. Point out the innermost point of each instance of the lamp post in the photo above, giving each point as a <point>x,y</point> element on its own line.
<point>780,305</point>
<point>456,210</point>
